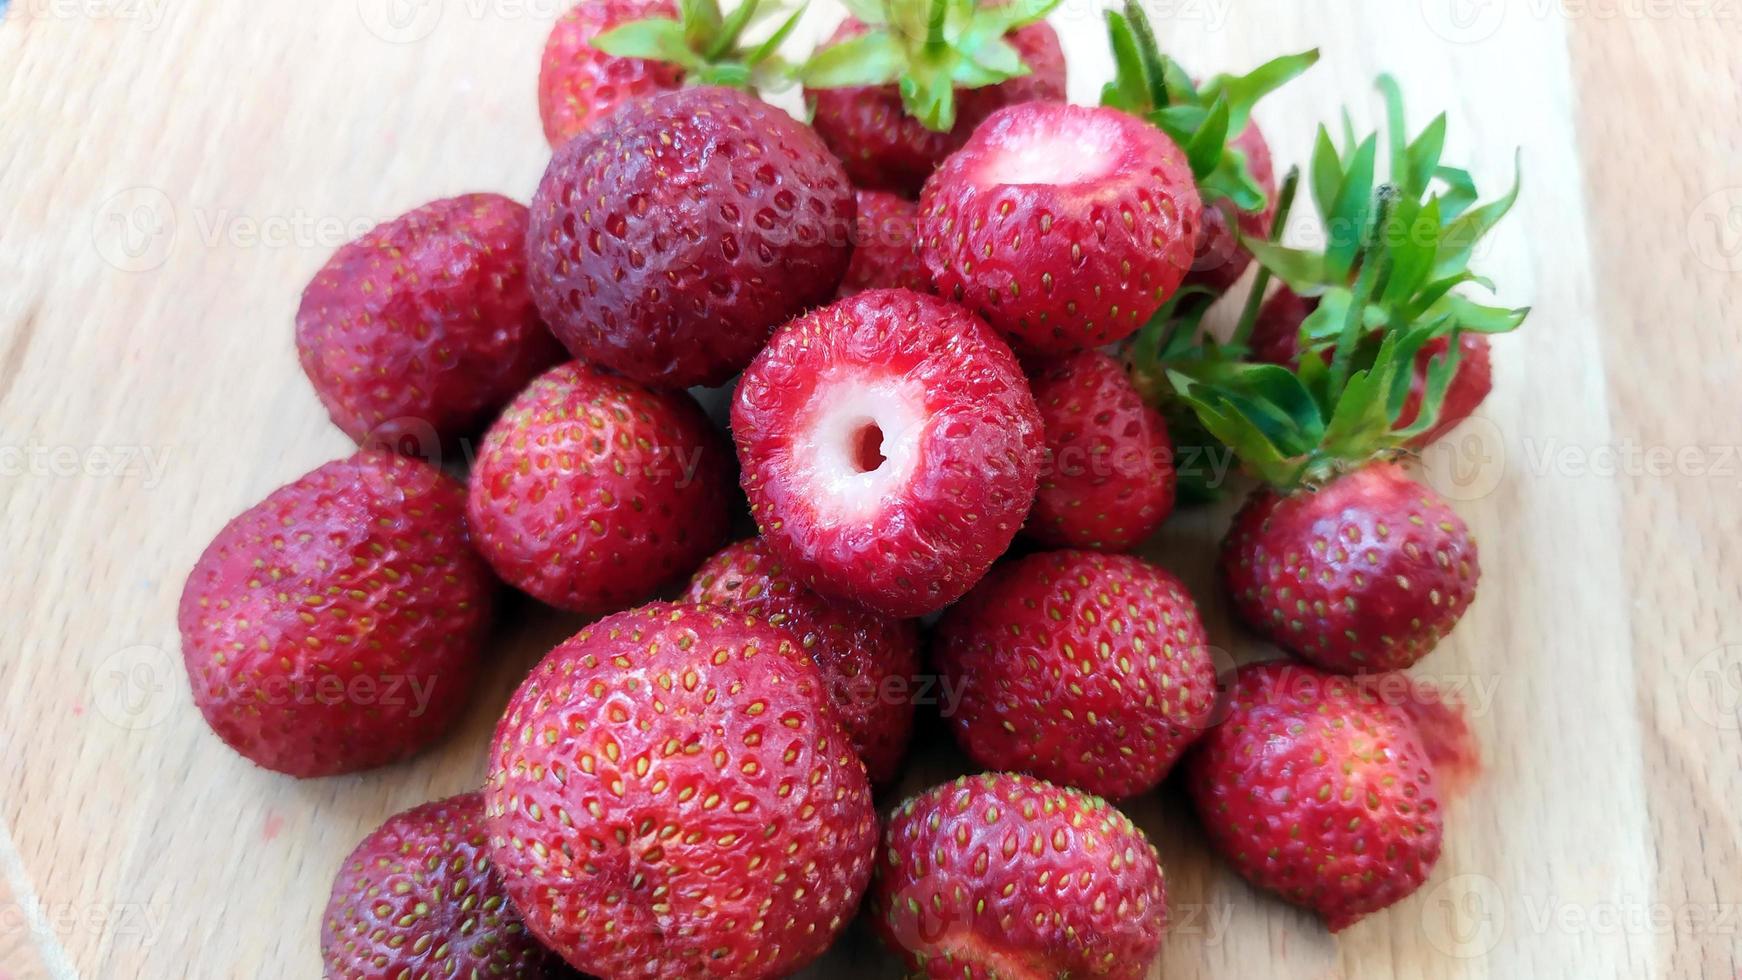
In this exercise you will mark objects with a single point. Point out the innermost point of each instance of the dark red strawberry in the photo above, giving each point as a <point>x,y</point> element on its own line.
<point>666,245</point>
<point>418,332</point>
<point>886,148</point>
<point>1319,791</point>
<point>1085,669</point>
<point>1002,875</point>
<point>419,898</point>
<point>1066,227</point>
<point>578,84</point>
<point>867,660</point>
<point>1109,478</point>
<point>591,491</point>
<point>669,795</point>
<point>336,625</point>
<point>1220,259</point>
<point>1365,573</point>
<point>885,246</point>
<point>890,449</point>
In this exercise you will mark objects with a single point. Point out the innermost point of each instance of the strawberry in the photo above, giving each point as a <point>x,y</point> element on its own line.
<point>337,624</point>
<point>670,795</point>
<point>1364,573</point>
<point>1064,226</point>
<point>418,332</point>
<point>1001,875</point>
<point>891,142</point>
<point>1109,478</point>
<point>1318,791</point>
<point>591,491</point>
<point>418,897</point>
<point>885,246</point>
<point>867,659</point>
<point>668,244</point>
<point>1085,669</point>
<point>890,449</point>
<point>1220,260</point>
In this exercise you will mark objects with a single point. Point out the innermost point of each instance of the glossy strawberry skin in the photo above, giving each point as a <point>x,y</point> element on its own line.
<point>666,244</point>
<point>415,334</point>
<point>885,246</point>
<point>1219,259</point>
<point>337,625</point>
<point>669,795</point>
<point>1109,478</point>
<point>419,897</point>
<point>1059,267</point>
<point>592,491</point>
<point>1276,340</point>
<point>1365,574</point>
<point>963,417</point>
<point>578,84</point>
<point>1001,875</point>
<point>1084,669</point>
<point>884,148</point>
<point>866,659</point>
<point>1319,791</point>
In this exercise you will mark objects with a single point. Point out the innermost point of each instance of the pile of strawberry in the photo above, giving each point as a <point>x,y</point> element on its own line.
<point>965,323</point>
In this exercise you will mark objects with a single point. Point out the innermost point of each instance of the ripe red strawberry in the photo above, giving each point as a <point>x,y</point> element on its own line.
<point>890,449</point>
<point>1319,791</point>
<point>418,897</point>
<point>419,331</point>
<point>1109,478</point>
<point>1220,259</point>
<point>670,795</point>
<point>1085,669</point>
<point>1365,573</point>
<point>885,148</point>
<point>1064,226</point>
<point>866,659</point>
<point>578,84</point>
<point>668,244</point>
<point>336,625</point>
<point>1001,875</point>
<point>885,246</point>
<point>1276,340</point>
<point>591,491</point>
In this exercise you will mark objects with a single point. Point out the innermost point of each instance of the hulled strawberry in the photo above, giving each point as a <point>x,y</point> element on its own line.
<point>337,624</point>
<point>1319,791</point>
<point>867,659</point>
<point>418,332</point>
<point>890,449</point>
<point>1001,875</point>
<point>1087,670</point>
<point>419,897</point>
<point>670,795</point>
<point>603,53</point>
<point>1065,227</point>
<point>1366,572</point>
<point>591,491</point>
<point>1108,482</point>
<point>893,99</point>
<point>666,245</point>
<point>885,246</point>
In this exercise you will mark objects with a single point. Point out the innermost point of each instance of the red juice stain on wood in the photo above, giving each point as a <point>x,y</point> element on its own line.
<point>274,824</point>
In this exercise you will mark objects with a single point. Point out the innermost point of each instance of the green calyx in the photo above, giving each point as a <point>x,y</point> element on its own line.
<point>709,44</point>
<point>1203,120</point>
<point>927,48</point>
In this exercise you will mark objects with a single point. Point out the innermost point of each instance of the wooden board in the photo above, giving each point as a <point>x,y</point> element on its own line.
<point>172,171</point>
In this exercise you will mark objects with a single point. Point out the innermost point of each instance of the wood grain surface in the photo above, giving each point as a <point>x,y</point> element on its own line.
<point>172,171</point>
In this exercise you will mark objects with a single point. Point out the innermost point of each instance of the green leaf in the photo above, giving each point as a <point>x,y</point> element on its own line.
<point>1244,91</point>
<point>999,57</point>
<point>1423,158</point>
<point>1326,173</point>
<point>726,75</point>
<point>1477,318</point>
<point>1129,89</point>
<point>873,58</point>
<point>1346,225</point>
<point>871,13</point>
<point>1412,258</point>
<point>933,103</point>
<point>1302,270</point>
<point>732,29</point>
<point>1460,191</point>
<point>1395,138</point>
<point>1361,422</point>
<point>1154,63</point>
<point>655,38</point>
<point>1460,237</point>
<point>701,22</point>
<point>764,51</point>
<point>1204,151</point>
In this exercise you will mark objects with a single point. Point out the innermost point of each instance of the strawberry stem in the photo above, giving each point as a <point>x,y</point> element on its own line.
<point>1373,262</point>
<point>1255,298</point>
<point>934,28</point>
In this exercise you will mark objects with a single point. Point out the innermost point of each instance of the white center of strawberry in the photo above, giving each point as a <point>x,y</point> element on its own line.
<point>1064,148</point>
<point>859,443</point>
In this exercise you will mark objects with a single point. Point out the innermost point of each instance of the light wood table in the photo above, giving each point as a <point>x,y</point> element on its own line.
<point>172,171</point>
